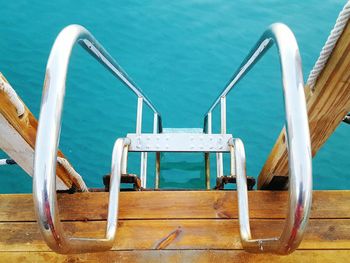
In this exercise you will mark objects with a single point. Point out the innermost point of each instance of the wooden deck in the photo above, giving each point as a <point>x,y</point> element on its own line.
<point>177,226</point>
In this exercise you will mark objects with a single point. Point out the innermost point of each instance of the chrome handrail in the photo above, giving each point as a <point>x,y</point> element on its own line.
<point>300,198</point>
<point>47,140</point>
<point>45,202</point>
<point>297,138</point>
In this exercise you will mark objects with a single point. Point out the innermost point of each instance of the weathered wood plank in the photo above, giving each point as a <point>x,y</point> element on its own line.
<point>26,127</point>
<point>327,106</point>
<point>18,149</point>
<point>142,239</point>
<point>184,256</point>
<point>178,234</point>
<point>175,204</point>
<point>203,256</point>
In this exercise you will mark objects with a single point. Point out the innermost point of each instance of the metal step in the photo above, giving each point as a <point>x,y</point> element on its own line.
<point>179,142</point>
<point>182,130</point>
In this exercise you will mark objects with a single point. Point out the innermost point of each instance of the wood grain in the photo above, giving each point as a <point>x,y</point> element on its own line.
<point>178,234</point>
<point>203,256</point>
<point>179,226</point>
<point>175,205</point>
<point>327,105</point>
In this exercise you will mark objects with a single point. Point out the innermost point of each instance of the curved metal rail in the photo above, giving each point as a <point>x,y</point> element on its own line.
<point>45,201</point>
<point>297,138</point>
<point>297,216</point>
<point>44,182</point>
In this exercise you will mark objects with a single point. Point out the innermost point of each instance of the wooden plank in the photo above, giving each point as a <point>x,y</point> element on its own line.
<point>26,127</point>
<point>203,256</point>
<point>18,149</point>
<point>327,106</point>
<point>142,239</point>
<point>178,234</point>
<point>175,204</point>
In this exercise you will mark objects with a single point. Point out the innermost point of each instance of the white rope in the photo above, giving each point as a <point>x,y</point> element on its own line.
<point>19,105</point>
<point>11,93</point>
<point>329,46</point>
<point>73,173</point>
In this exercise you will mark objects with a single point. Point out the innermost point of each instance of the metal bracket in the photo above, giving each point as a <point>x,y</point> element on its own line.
<point>231,179</point>
<point>278,183</point>
<point>125,179</point>
<point>7,162</point>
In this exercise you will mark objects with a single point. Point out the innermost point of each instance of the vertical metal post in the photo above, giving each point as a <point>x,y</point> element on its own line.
<point>219,157</point>
<point>223,115</point>
<point>233,159</point>
<point>155,130</point>
<point>124,161</point>
<point>143,170</point>
<point>209,123</point>
<point>155,123</point>
<point>207,170</point>
<point>143,167</point>
<point>157,170</point>
<point>139,115</point>
<point>206,155</point>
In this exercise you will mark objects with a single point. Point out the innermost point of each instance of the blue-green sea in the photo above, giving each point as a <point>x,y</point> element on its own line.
<point>181,53</point>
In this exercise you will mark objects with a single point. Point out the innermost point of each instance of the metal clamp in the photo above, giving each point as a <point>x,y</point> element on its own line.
<point>7,162</point>
<point>298,208</point>
<point>347,118</point>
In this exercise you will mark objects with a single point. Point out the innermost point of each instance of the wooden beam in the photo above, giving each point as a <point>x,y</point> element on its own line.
<point>22,135</point>
<point>178,234</point>
<point>175,205</point>
<point>180,226</point>
<point>203,256</point>
<point>327,105</point>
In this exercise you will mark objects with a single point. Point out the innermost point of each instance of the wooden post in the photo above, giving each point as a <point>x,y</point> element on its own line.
<point>18,136</point>
<point>327,105</point>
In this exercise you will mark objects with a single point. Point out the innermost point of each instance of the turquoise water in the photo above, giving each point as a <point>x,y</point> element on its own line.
<point>181,53</point>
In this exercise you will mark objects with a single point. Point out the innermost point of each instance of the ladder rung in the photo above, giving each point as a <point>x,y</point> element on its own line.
<point>179,142</point>
<point>183,130</point>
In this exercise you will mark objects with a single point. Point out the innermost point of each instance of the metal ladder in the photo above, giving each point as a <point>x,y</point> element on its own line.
<point>174,140</point>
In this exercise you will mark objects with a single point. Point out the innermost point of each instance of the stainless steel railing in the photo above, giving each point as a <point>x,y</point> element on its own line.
<point>44,182</point>
<point>298,142</point>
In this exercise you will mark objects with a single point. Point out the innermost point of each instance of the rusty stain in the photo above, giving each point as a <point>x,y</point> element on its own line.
<point>218,203</point>
<point>166,241</point>
<point>331,234</point>
<point>223,214</point>
<point>331,228</point>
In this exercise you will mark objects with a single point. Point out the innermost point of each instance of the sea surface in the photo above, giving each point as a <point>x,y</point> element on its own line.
<point>181,53</point>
